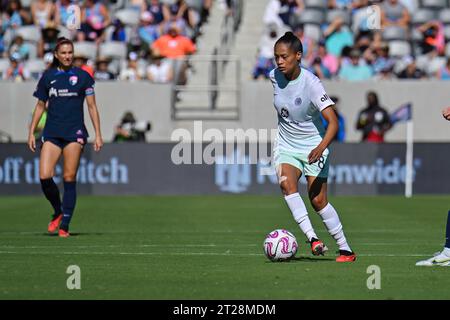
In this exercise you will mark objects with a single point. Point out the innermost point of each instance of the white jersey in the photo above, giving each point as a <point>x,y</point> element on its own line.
<point>298,104</point>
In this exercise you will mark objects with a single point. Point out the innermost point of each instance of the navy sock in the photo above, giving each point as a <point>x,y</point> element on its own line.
<point>447,232</point>
<point>51,192</point>
<point>69,200</point>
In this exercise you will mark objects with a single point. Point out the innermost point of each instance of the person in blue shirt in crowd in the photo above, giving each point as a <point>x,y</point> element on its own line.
<point>65,88</point>
<point>340,135</point>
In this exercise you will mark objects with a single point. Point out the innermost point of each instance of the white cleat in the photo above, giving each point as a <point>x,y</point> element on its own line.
<point>439,259</point>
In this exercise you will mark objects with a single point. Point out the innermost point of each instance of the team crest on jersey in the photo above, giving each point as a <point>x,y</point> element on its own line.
<point>298,101</point>
<point>284,113</point>
<point>73,80</point>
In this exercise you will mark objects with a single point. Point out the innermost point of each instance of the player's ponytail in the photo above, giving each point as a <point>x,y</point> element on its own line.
<point>291,40</point>
<point>59,43</point>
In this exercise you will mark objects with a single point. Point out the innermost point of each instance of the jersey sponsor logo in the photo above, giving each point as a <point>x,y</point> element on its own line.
<point>52,82</point>
<point>284,113</point>
<point>324,98</point>
<point>298,101</point>
<point>73,80</point>
<point>53,92</point>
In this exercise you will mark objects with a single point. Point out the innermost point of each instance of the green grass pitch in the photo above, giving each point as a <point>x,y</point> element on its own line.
<point>210,247</point>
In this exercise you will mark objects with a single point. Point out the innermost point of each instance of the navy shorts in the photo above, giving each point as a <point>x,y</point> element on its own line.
<point>63,142</point>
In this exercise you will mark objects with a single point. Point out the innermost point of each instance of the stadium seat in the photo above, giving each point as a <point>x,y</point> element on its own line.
<point>444,16</point>
<point>64,32</point>
<point>399,48</point>
<point>447,32</point>
<point>316,4</point>
<point>129,17</point>
<point>26,3</point>
<point>313,31</point>
<point>447,49</point>
<point>434,4</point>
<point>421,16</point>
<point>196,5</point>
<point>87,49</point>
<point>394,33</point>
<point>35,67</point>
<point>33,50</point>
<point>113,49</point>
<point>30,33</point>
<point>333,14</point>
<point>310,16</point>
<point>4,64</point>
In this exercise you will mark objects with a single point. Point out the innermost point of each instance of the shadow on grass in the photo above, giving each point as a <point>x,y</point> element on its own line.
<point>75,234</point>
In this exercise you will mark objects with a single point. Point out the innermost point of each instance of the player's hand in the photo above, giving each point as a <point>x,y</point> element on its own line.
<point>98,143</point>
<point>315,154</point>
<point>446,113</point>
<point>32,142</point>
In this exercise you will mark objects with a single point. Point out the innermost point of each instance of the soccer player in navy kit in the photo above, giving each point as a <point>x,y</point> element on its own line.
<point>65,88</point>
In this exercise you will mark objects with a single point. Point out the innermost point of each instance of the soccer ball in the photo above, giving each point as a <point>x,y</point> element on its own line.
<point>280,245</point>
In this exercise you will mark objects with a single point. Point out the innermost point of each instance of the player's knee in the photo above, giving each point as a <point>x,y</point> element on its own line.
<point>69,177</point>
<point>319,202</point>
<point>288,188</point>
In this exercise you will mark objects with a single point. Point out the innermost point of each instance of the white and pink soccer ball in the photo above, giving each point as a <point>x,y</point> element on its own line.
<point>280,245</point>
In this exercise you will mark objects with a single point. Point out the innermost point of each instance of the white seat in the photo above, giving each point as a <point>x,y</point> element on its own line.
<point>113,49</point>
<point>86,48</point>
<point>129,17</point>
<point>29,33</point>
<point>399,48</point>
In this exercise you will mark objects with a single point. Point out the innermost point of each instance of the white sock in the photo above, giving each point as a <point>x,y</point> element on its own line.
<point>446,251</point>
<point>333,224</point>
<point>300,214</point>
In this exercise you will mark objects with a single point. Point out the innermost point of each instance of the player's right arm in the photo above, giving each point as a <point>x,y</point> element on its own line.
<point>37,114</point>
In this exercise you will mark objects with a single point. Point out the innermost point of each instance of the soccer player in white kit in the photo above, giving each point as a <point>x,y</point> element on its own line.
<point>302,143</point>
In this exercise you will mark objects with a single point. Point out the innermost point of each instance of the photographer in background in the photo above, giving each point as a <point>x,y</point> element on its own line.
<point>130,130</point>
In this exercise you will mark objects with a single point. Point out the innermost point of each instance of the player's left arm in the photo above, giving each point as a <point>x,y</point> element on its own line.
<point>332,129</point>
<point>95,118</point>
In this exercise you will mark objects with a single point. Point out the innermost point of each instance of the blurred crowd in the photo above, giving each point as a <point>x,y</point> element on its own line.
<point>114,39</point>
<point>358,40</point>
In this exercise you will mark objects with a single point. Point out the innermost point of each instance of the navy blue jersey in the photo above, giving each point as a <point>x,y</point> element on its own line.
<point>65,92</point>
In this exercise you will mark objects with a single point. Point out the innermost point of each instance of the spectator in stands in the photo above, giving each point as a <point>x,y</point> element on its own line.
<point>282,12</point>
<point>62,13</point>
<point>381,60</point>
<point>265,59</point>
<point>181,10</point>
<point>357,70</point>
<point>328,60</point>
<point>43,12</point>
<point>319,69</point>
<point>393,13</point>
<point>159,70</point>
<point>131,72</point>
<point>340,4</point>
<point>118,32</point>
<point>173,45</point>
<point>433,37</point>
<point>16,71</point>
<point>81,61</point>
<point>101,72</point>
<point>139,5</point>
<point>14,16</point>
<point>160,12</point>
<point>444,72</point>
<point>411,71</point>
<point>337,36</point>
<point>48,41</point>
<point>340,135</point>
<point>175,18</point>
<point>309,45</point>
<point>373,121</point>
<point>148,30</point>
<point>19,47</point>
<point>94,19</point>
